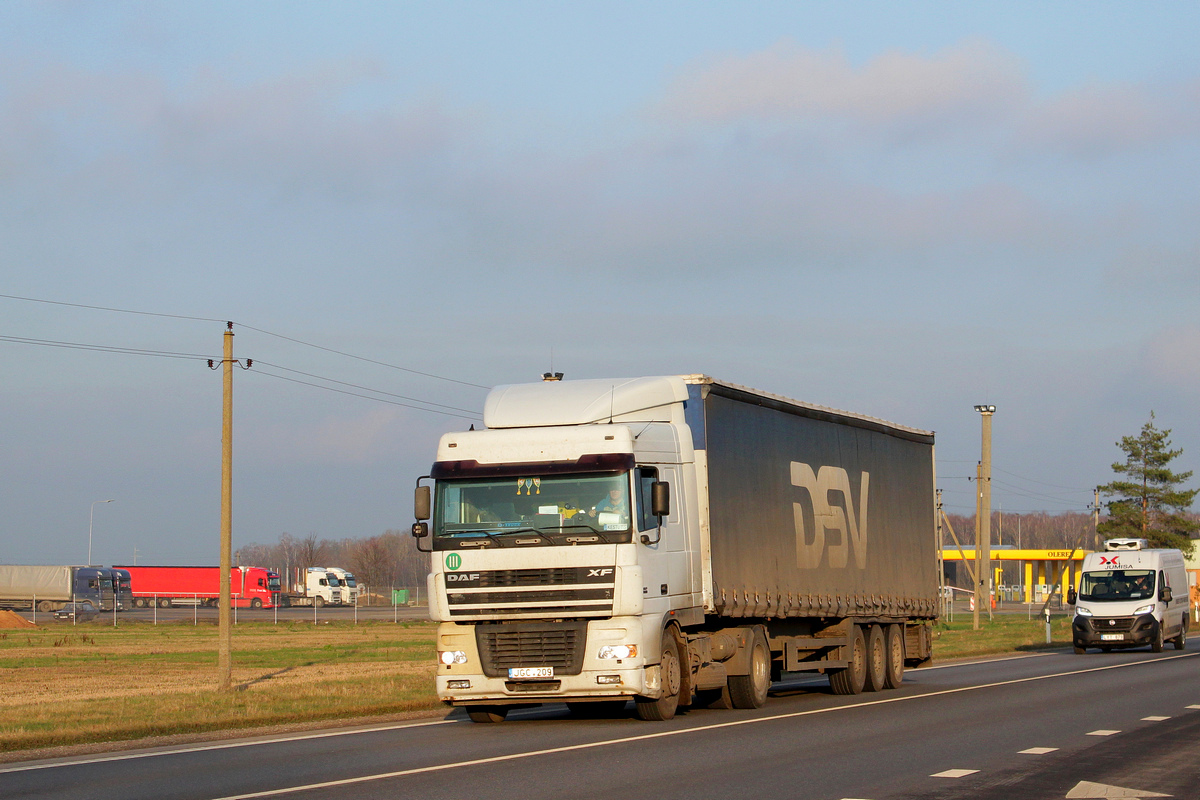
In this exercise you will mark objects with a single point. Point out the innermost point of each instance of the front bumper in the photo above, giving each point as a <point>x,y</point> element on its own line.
<point>1114,631</point>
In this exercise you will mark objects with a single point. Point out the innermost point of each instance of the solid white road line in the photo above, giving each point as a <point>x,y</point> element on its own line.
<point>682,731</point>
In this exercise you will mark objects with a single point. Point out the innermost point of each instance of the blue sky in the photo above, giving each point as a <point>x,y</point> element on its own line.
<point>898,209</point>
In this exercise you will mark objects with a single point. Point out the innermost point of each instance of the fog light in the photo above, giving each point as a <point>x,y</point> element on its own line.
<point>618,651</point>
<point>458,684</point>
<point>608,679</point>
<point>449,657</point>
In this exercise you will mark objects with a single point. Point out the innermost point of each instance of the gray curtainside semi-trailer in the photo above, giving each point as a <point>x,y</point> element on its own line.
<point>677,541</point>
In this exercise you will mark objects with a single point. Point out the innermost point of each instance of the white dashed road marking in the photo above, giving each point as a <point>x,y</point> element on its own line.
<point>1102,733</point>
<point>1038,751</point>
<point>954,773</point>
<point>1154,719</point>
<point>1087,789</point>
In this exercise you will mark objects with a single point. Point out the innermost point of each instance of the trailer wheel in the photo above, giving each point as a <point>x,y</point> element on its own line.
<point>164,602</point>
<point>663,708</point>
<point>750,691</point>
<point>45,606</point>
<point>876,660</point>
<point>894,644</point>
<point>487,713</point>
<point>256,603</point>
<point>850,680</point>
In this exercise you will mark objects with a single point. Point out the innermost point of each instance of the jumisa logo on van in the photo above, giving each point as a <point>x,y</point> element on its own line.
<point>829,516</point>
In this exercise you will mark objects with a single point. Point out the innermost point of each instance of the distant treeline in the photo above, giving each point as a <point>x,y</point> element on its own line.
<point>381,563</point>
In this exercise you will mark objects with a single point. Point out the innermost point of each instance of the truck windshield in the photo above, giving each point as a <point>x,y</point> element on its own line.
<point>1116,585</point>
<point>533,510</point>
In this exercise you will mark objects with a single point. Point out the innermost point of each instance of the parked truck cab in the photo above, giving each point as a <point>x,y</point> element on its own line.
<point>1130,596</point>
<point>674,541</point>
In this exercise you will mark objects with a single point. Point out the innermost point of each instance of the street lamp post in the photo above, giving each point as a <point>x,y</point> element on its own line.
<point>91,516</point>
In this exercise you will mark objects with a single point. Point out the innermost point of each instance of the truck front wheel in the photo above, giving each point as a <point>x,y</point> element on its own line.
<point>319,602</point>
<point>486,713</point>
<point>850,679</point>
<point>256,603</point>
<point>750,691</point>
<point>663,708</point>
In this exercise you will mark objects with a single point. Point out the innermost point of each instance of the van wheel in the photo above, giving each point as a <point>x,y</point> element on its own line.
<point>487,713</point>
<point>750,691</point>
<point>850,679</point>
<point>1156,644</point>
<point>894,644</point>
<point>663,708</point>
<point>1180,641</point>
<point>1079,650</point>
<point>876,660</point>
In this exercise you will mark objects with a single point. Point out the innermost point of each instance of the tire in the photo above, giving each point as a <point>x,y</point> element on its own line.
<point>164,602</point>
<point>487,713</point>
<point>319,602</point>
<point>1079,650</point>
<point>256,603</point>
<point>1105,649</point>
<point>750,691</point>
<point>1156,644</point>
<point>46,606</point>
<point>663,708</point>
<point>850,679</point>
<point>876,660</point>
<point>894,646</point>
<point>1180,641</point>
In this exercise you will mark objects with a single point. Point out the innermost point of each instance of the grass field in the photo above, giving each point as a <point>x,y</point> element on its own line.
<point>94,683</point>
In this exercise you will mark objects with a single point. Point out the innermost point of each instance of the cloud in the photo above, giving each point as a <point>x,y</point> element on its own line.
<point>787,82</point>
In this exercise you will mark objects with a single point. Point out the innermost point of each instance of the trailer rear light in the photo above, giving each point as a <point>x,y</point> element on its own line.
<point>608,679</point>
<point>618,651</point>
<point>458,684</point>
<point>449,657</point>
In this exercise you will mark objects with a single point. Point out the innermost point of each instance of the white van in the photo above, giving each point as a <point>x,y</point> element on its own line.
<point>1130,596</point>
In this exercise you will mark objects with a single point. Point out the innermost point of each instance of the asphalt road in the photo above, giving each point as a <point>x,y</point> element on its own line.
<point>1042,726</point>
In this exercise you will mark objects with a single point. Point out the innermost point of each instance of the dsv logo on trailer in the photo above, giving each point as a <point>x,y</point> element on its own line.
<point>832,512</point>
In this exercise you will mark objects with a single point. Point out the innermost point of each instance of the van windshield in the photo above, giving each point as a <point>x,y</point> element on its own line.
<point>545,510</point>
<point>1116,585</point>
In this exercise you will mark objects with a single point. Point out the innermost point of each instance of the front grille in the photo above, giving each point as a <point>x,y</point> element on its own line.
<point>541,644</point>
<point>561,591</point>
<point>1112,624</point>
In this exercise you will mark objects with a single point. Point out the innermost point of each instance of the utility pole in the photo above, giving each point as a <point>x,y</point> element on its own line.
<point>224,617</point>
<point>983,543</point>
<point>225,636</point>
<point>1096,518</point>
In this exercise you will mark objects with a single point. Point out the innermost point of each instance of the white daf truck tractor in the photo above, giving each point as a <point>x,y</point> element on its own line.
<point>676,541</point>
<point>1130,596</point>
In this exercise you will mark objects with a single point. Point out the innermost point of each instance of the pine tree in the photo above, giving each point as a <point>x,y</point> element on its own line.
<point>1149,502</point>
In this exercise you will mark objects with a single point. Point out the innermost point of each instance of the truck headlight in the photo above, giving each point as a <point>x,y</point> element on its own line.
<point>1083,612</point>
<point>1146,609</point>
<point>618,651</point>
<point>449,657</point>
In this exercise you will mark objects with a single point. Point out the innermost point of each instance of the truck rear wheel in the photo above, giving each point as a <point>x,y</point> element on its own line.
<point>894,644</point>
<point>850,679</point>
<point>663,708</point>
<point>45,606</point>
<point>876,672</point>
<point>487,713</point>
<point>750,691</point>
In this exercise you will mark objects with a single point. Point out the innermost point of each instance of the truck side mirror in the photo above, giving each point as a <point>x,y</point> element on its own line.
<point>421,503</point>
<point>1071,597</point>
<point>660,499</point>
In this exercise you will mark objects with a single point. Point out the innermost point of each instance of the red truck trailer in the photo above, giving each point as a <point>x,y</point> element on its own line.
<point>251,587</point>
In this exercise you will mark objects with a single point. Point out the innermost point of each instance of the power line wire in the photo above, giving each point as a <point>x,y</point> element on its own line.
<point>106,308</point>
<point>364,388</point>
<point>102,348</point>
<point>257,371</point>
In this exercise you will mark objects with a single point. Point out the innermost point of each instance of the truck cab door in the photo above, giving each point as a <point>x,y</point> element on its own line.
<point>664,567</point>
